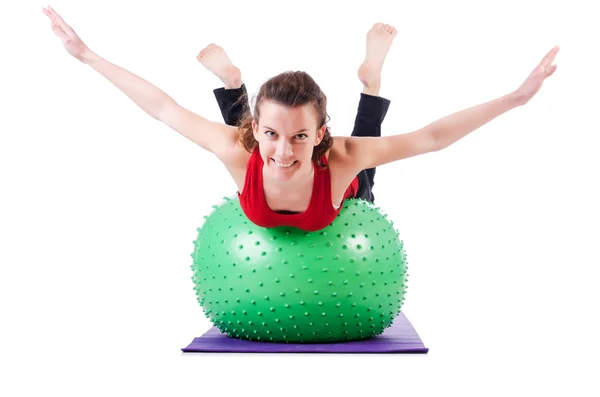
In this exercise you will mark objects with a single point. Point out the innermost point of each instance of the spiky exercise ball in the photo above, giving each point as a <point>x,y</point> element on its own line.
<point>342,283</point>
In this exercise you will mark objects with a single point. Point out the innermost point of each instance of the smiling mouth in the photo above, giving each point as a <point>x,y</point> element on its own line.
<point>284,165</point>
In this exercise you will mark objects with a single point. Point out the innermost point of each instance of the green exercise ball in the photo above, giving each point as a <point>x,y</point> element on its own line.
<point>345,282</point>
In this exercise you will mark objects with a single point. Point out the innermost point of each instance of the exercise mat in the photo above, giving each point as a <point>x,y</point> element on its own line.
<point>400,337</point>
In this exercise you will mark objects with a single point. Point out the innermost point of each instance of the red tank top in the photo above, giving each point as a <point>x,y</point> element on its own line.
<point>319,214</point>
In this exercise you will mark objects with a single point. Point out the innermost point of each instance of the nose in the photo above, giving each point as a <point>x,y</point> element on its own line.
<point>284,149</point>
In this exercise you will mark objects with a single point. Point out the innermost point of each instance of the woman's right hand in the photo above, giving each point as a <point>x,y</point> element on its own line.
<point>72,43</point>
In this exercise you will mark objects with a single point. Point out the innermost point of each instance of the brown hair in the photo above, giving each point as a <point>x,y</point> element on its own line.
<point>289,89</point>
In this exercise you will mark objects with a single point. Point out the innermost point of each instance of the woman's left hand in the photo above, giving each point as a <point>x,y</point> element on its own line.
<point>534,82</point>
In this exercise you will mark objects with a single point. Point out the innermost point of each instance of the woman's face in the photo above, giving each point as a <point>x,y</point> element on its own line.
<point>286,138</point>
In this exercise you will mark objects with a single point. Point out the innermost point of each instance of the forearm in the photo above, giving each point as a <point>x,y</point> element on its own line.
<point>450,129</point>
<point>147,96</point>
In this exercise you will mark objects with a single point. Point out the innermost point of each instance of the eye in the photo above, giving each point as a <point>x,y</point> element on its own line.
<point>301,136</point>
<point>268,133</point>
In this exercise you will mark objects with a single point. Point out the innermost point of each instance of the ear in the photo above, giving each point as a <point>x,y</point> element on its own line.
<point>255,129</point>
<point>320,134</point>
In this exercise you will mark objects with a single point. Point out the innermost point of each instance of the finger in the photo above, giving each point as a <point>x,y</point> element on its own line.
<point>59,32</point>
<point>53,16</point>
<point>49,15</point>
<point>61,22</point>
<point>552,70</point>
<point>549,58</point>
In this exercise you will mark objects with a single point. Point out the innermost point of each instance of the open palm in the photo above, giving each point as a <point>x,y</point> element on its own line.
<point>72,43</point>
<point>534,81</point>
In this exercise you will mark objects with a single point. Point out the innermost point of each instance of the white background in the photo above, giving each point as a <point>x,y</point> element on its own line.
<point>100,202</point>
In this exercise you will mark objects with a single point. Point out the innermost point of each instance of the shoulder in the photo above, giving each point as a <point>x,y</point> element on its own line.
<point>342,168</point>
<point>336,148</point>
<point>340,155</point>
<point>235,159</point>
<point>231,150</point>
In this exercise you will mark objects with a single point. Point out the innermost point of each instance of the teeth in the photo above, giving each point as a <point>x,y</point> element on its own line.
<point>283,165</point>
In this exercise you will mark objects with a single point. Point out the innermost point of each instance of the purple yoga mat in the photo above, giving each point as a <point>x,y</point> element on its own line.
<point>401,337</point>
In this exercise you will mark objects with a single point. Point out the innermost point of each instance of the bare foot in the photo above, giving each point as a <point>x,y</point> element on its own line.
<point>379,41</point>
<point>214,58</point>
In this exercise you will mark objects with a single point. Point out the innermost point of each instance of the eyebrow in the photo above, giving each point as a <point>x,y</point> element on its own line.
<point>273,129</point>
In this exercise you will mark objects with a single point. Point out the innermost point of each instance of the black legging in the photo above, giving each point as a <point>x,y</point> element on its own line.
<point>369,116</point>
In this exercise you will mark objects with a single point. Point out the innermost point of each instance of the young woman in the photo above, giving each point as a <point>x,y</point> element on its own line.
<point>232,98</point>
<point>288,168</point>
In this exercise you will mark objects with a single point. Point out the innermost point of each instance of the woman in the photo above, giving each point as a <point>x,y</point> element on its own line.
<point>232,97</point>
<point>288,168</point>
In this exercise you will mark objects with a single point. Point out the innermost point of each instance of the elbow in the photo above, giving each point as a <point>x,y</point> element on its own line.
<point>162,110</point>
<point>434,142</point>
<point>436,146</point>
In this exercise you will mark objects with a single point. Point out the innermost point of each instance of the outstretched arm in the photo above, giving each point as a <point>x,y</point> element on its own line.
<point>148,97</point>
<point>369,152</point>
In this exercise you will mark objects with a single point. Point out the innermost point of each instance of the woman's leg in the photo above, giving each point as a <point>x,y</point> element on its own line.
<point>232,103</point>
<point>371,107</point>
<point>232,97</point>
<point>369,116</point>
